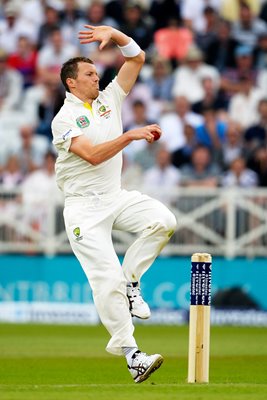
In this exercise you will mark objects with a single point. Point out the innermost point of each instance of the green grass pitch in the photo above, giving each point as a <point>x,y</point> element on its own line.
<point>69,362</point>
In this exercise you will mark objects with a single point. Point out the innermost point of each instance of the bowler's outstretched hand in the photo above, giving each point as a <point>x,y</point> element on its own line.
<point>100,34</point>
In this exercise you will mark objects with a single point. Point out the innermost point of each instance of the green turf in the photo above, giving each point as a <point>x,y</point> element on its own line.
<point>69,362</point>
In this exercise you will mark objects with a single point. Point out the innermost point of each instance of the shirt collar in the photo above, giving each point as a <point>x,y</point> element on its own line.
<point>73,99</point>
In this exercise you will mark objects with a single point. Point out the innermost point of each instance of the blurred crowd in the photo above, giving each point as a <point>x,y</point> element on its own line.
<point>204,83</point>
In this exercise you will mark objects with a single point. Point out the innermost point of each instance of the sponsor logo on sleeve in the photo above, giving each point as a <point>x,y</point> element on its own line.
<point>66,134</point>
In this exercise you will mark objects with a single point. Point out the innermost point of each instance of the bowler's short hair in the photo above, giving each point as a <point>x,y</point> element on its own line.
<point>70,69</point>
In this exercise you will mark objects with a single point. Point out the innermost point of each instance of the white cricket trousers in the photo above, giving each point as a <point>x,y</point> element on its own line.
<point>89,222</point>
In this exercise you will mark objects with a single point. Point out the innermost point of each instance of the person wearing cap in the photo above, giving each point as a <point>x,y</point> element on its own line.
<point>188,77</point>
<point>13,26</point>
<point>230,80</point>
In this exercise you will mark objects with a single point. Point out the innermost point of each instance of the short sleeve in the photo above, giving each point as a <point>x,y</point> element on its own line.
<point>63,132</point>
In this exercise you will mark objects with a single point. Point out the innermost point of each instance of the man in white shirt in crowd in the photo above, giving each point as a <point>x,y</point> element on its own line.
<point>53,54</point>
<point>173,124</point>
<point>191,75</point>
<point>162,175</point>
<point>39,190</point>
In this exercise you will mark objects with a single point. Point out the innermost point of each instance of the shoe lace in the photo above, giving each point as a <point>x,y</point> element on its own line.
<point>140,362</point>
<point>136,293</point>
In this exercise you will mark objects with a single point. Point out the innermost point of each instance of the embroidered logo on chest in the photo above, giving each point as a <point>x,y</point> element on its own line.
<point>77,234</point>
<point>104,111</point>
<point>82,121</point>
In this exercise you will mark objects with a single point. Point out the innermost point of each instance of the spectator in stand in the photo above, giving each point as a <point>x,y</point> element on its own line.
<point>162,175</point>
<point>207,36</point>
<point>212,132</point>
<point>192,13</point>
<point>24,61</point>
<point>143,158</point>
<point>243,106</point>
<point>220,51</point>
<point>11,175</point>
<point>261,52</point>
<point>233,145</point>
<point>32,12</point>
<point>39,190</point>
<point>53,55</point>
<point>173,123</point>
<point>183,155</point>
<point>262,80</point>
<point>11,84</point>
<point>140,119</point>
<point>230,80</point>
<point>41,103</point>
<point>213,98</point>
<point>30,149</point>
<point>115,10</point>
<point>71,20</point>
<point>161,80</point>
<point>10,179</point>
<point>71,12</point>
<point>230,9</point>
<point>190,75</point>
<point>258,163</point>
<point>47,27</point>
<point>146,157</point>
<point>95,14</point>
<point>137,25</point>
<point>256,135</point>
<point>12,27</point>
<point>140,91</point>
<point>173,41</point>
<point>261,62</point>
<point>163,11</point>
<point>239,175</point>
<point>201,171</point>
<point>248,28</point>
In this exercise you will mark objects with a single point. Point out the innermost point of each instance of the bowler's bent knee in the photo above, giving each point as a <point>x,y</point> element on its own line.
<point>167,222</point>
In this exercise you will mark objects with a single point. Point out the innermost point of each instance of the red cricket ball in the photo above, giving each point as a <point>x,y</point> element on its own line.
<point>156,135</point>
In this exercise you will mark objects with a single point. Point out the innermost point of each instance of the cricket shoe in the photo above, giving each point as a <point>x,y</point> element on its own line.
<point>138,307</point>
<point>143,365</point>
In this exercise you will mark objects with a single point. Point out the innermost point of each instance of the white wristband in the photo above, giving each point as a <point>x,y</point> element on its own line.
<point>130,50</point>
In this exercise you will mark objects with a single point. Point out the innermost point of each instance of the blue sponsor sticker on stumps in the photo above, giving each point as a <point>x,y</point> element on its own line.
<point>200,293</point>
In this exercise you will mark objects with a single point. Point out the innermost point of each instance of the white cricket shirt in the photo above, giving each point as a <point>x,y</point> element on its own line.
<point>100,123</point>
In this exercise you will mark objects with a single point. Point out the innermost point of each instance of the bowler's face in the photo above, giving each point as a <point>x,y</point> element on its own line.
<point>87,82</point>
